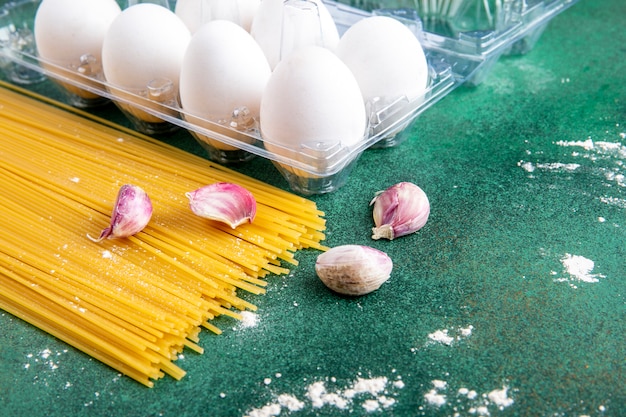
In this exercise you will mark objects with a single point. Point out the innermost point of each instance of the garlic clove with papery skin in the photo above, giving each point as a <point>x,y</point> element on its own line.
<point>131,213</point>
<point>353,269</point>
<point>399,210</point>
<point>224,202</point>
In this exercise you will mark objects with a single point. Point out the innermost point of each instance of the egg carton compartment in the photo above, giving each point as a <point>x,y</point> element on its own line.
<point>471,35</point>
<point>309,170</point>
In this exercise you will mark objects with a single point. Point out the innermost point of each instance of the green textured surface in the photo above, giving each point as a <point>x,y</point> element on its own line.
<point>506,210</point>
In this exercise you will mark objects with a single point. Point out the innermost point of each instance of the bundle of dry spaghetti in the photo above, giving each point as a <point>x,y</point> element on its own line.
<point>131,303</point>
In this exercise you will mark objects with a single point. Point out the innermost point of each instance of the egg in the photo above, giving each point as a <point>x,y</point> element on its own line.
<point>196,12</point>
<point>281,27</point>
<point>143,47</point>
<point>224,73</point>
<point>312,106</point>
<point>69,34</point>
<point>386,58</point>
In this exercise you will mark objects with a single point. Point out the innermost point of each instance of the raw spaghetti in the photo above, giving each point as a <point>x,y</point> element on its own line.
<point>132,303</point>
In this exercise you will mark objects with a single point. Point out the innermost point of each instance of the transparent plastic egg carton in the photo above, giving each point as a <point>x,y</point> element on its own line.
<point>308,170</point>
<point>469,35</point>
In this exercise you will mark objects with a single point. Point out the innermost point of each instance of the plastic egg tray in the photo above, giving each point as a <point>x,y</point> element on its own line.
<point>461,38</point>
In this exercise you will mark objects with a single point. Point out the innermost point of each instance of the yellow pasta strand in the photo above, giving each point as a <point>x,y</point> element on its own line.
<point>134,303</point>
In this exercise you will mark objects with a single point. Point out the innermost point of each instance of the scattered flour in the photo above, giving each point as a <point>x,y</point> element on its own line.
<point>614,153</point>
<point>370,394</point>
<point>578,268</point>
<point>249,319</point>
<point>614,201</point>
<point>608,162</point>
<point>448,337</point>
<point>466,401</point>
<point>552,166</point>
<point>372,386</point>
<point>434,396</point>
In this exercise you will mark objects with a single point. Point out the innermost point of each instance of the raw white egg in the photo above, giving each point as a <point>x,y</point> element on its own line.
<point>70,33</point>
<point>223,75</point>
<point>312,104</point>
<point>386,58</point>
<point>144,45</point>
<point>281,27</point>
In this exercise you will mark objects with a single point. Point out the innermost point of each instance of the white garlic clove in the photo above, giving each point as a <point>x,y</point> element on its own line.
<point>131,214</point>
<point>224,202</point>
<point>353,269</point>
<point>399,210</point>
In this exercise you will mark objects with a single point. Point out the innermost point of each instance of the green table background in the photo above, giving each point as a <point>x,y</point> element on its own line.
<point>507,208</point>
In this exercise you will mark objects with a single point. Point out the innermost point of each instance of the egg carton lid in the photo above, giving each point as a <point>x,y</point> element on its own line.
<point>466,34</point>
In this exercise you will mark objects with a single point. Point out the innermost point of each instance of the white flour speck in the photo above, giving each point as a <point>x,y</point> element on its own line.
<point>552,166</point>
<point>466,332</point>
<point>248,319</point>
<point>526,166</point>
<point>441,336</point>
<point>579,268</point>
<point>434,397</point>
<point>586,144</point>
<point>500,398</point>
<point>290,402</point>
<point>448,337</point>
<point>373,386</point>
<point>371,405</point>
<point>265,411</point>
<point>439,384</point>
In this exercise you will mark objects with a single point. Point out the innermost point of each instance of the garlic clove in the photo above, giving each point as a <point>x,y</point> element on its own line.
<point>353,269</point>
<point>131,214</point>
<point>399,210</point>
<point>224,202</point>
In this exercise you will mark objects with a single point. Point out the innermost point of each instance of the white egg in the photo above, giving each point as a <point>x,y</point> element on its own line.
<point>312,103</point>
<point>70,33</point>
<point>386,58</point>
<point>281,27</point>
<point>144,44</point>
<point>224,72</point>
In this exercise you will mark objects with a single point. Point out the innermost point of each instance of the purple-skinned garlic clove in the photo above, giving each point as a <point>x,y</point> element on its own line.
<point>353,269</point>
<point>399,210</point>
<point>131,214</point>
<point>224,202</point>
